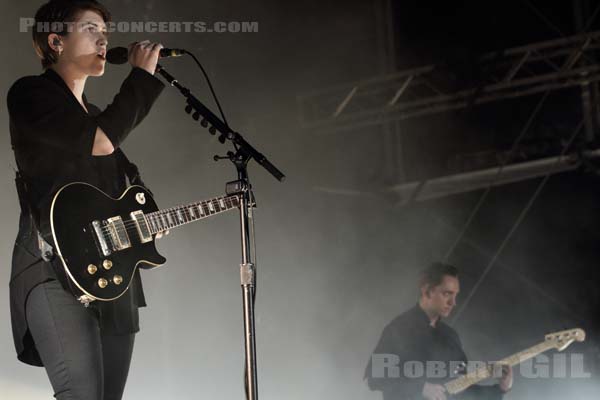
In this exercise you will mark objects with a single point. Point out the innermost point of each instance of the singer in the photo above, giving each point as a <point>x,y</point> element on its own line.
<point>59,137</point>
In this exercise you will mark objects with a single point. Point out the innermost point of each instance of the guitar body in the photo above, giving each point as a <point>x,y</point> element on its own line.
<point>102,273</point>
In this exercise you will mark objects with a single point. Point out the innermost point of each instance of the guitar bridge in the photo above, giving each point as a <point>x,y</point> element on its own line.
<point>111,235</point>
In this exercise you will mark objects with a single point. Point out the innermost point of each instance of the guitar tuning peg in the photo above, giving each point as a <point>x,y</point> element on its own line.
<point>212,130</point>
<point>196,115</point>
<point>222,138</point>
<point>188,109</point>
<point>204,122</point>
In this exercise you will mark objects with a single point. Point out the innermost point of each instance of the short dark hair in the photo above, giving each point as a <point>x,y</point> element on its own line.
<point>434,274</point>
<point>59,12</point>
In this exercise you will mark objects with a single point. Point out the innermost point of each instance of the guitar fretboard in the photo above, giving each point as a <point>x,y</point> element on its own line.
<point>162,220</point>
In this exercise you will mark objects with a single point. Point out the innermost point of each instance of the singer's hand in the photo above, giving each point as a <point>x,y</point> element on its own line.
<point>145,55</point>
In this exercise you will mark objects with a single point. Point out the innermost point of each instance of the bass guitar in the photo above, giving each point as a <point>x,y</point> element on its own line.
<point>557,340</point>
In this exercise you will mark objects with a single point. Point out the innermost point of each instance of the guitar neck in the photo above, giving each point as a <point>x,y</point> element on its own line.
<point>459,384</point>
<point>169,218</point>
<point>526,354</point>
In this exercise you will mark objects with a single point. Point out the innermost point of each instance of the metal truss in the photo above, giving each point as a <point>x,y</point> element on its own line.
<point>406,193</point>
<point>453,184</point>
<point>508,74</point>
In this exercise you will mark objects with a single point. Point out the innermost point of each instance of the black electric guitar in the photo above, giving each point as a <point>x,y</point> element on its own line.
<point>101,240</point>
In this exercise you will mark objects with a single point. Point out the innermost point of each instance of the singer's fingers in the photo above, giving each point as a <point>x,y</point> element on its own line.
<point>142,45</point>
<point>137,44</point>
<point>145,55</point>
<point>156,47</point>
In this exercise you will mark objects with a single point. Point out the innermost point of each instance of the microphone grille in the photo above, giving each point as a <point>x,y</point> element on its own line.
<point>117,55</point>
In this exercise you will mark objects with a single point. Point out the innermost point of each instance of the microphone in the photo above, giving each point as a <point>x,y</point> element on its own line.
<point>120,55</point>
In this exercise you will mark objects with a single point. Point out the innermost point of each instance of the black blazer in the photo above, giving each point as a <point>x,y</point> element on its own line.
<point>52,137</point>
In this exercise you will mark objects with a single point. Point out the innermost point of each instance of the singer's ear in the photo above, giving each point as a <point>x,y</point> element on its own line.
<point>54,40</point>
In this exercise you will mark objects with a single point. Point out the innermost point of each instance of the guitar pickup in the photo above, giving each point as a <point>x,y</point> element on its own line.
<point>101,239</point>
<point>118,233</point>
<point>142,226</point>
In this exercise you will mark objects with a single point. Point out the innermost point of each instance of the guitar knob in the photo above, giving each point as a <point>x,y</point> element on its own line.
<point>92,269</point>
<point>107,264</point>
<point>102,283</point>
<point>117,279</point>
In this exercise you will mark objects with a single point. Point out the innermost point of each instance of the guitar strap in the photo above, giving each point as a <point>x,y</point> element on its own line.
<point>45,248</point>
<point>46,251</point>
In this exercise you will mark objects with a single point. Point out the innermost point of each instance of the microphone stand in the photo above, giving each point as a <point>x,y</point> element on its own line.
<point>243,154</point>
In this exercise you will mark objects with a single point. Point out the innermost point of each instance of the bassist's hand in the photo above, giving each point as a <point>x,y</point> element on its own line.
<point>506,381</point>
<point>433,392</point>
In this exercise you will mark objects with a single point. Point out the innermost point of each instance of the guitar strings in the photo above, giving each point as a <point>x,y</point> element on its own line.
<point>174,211</point>
<point>130,227</point>
<point>131,224</point>
<point>178,214</point>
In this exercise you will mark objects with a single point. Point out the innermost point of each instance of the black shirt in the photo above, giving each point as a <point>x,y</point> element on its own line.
<point>409,340</point>
<point>52,137</point>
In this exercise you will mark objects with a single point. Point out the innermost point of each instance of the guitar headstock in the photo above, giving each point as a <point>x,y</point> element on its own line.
<point>563,339</point>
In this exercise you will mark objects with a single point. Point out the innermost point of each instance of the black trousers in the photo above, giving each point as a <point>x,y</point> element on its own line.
<point>82,363</point>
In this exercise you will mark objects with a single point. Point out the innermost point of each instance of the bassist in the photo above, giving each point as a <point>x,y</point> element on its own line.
<point>420,336</point>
